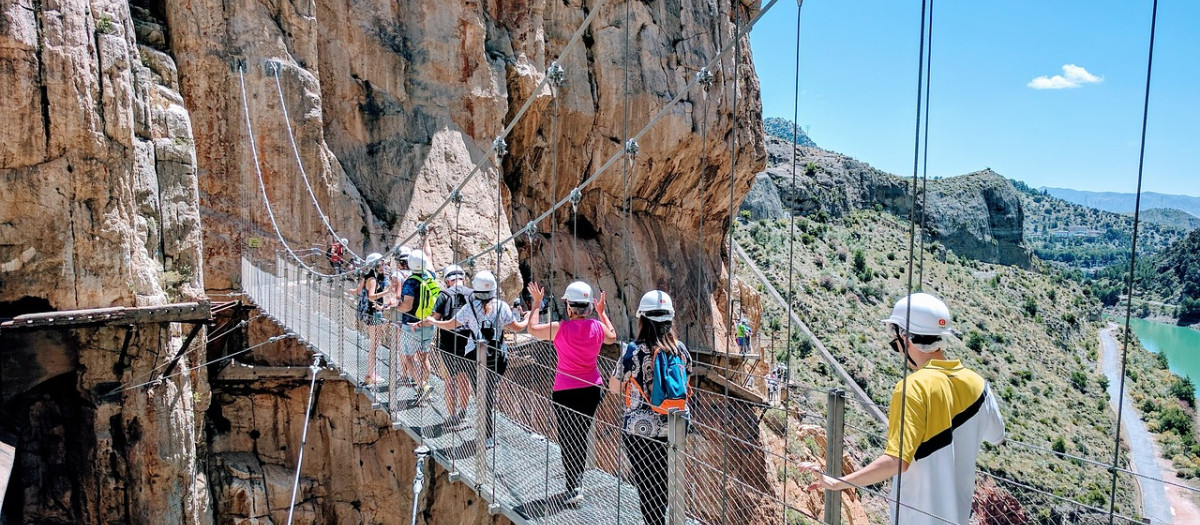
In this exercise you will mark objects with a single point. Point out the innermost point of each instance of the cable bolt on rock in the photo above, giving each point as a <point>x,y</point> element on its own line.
<point>556,75</point>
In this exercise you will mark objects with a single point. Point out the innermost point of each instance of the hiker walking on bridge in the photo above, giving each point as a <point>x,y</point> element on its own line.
<point>577,381</point>
<point>938,419</point>
<point>453,343</point>
<point>370,291</point>
<point>486,315</point>
<point>417,296</point>
<point>654,372</point>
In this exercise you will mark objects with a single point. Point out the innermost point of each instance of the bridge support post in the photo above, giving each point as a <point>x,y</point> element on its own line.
<point>834,434</point>
<point>481,415</point>
<point>676,468</point>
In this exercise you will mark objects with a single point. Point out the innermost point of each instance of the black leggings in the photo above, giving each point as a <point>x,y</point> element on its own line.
<point>648,462</point>
<point>573,410</point>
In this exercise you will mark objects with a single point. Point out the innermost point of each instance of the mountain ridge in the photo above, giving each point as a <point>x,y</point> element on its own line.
<point>1124,202</point>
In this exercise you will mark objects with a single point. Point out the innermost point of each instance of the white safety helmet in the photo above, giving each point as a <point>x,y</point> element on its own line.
<point>417,261</point>
<point>405,251</point>
<point>453,272</point>
<point>578,292</point>
<point>484,284</point>
<point>656,306</point>
<point>928,315</point>
<point>372,259</point>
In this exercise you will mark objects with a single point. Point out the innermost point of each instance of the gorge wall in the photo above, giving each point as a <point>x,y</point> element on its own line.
<point>129,180</point>
<point>98,207</point>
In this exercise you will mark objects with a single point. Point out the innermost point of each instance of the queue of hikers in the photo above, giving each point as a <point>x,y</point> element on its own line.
<point>400,299</point>
<point>937,421</point>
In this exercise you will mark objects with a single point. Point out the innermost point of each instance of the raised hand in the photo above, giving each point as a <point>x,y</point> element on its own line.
<point>600,303</point>
<point>536,293</point>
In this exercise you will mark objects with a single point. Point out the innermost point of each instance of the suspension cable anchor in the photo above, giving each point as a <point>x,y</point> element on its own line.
<point>500,147</point>
<point>631,148</point>
<point>576,197</point>
<point>272,67</point>
<point>705,78</point>
<point>422,228</point>
<point>556,75</point>
<point>531,228</point>
<point>456,196</point>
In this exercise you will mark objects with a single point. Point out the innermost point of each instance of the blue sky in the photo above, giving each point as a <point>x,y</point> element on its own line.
<point>858,75</point>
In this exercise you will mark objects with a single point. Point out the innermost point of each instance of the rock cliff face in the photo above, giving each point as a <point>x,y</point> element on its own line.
<point>98,207</point>
<point>978,215</point>
<point>393,103</point>
<point>126,130</point>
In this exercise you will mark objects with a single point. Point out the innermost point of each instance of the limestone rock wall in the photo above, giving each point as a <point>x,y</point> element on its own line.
<point>356,469</point>
<point>393,103</point>
<point>98,207</point>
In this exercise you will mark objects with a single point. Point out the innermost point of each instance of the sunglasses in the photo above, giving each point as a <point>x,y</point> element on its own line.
<point>897,342</point>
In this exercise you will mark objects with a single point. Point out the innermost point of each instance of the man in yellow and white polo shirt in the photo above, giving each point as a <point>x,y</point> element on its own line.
<point>939,417</point>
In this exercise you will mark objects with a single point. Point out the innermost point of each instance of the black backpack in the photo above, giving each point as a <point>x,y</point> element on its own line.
<point>457,342</point>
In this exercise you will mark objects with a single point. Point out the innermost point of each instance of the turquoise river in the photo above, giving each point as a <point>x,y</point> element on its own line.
<point>1181,344</point>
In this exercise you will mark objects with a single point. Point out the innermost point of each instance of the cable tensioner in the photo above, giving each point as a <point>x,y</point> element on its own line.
<point>500,147</point>
<point>705,78</point>
<point>456,196</point>
<point>556,75</point>
<point>576,197</point>
<point>422,228</point>
<point>531,229</point>
<point>631,148</point>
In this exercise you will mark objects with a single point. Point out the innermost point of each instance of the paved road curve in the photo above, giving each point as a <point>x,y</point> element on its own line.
<point>1154,497</point>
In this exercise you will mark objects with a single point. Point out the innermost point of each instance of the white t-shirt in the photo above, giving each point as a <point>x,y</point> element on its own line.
<point>500,316</point>
<point>950,411</point>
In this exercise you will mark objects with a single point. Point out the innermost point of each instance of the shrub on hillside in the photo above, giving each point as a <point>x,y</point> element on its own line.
<point>1184,390</point>
<point>1174,419</point>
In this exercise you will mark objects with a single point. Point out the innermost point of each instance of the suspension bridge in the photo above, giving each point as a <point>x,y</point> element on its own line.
<point>721,468</point>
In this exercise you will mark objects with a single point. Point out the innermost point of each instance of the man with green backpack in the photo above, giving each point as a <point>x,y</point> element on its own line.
<point>417,297</point>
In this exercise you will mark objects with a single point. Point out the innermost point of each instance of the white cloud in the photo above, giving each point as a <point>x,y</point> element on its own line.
<point>1073,76</point>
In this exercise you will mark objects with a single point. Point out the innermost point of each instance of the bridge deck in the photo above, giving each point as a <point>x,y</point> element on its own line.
<point>528,483</point>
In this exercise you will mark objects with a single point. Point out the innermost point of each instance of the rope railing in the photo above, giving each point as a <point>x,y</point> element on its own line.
<point>522,474</point>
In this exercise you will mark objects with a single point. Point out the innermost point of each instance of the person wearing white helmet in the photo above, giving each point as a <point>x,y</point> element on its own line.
<point>644,425</point>
<point>417,295</point>
<point>452,344</point>
<point>937,421</point>
<point>486,315</point>
<point>372,288</point>
<point>577,380</point>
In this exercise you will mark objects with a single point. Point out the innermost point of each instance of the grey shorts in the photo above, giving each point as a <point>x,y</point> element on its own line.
<point>415,340</point>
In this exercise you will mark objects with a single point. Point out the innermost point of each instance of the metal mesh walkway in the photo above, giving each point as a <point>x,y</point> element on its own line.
<point>522,475</point>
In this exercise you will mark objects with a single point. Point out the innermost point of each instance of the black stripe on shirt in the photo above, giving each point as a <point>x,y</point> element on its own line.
<point>945,437</point>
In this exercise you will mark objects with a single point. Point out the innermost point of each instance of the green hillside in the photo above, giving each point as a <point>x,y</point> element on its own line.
<point>1027,333</point>
<point>1178,219</point>
<point>1083,238</point>
<point>1171,277</point>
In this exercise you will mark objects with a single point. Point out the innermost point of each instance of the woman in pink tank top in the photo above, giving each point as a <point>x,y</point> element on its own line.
<point>577,380</point>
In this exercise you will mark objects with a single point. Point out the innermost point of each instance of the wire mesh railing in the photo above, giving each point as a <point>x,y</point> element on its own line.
<point>733,461</point>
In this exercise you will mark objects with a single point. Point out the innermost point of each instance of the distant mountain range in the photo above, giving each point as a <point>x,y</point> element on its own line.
<point>1124,202</point>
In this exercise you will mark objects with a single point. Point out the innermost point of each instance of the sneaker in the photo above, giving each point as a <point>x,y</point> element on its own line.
<point>425,392</point>
<point>576,496</point>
